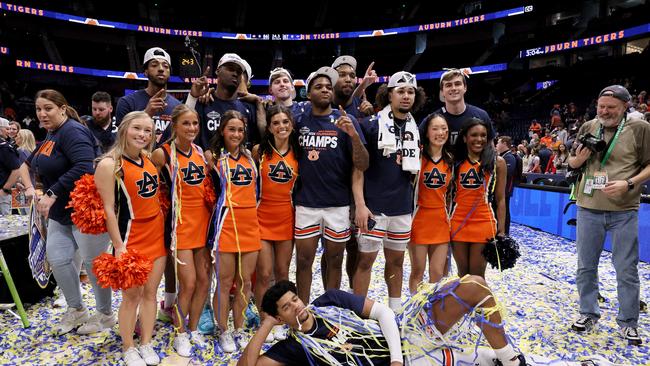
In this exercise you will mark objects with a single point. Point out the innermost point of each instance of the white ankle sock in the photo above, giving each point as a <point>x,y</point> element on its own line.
<point>394,303</point>
<point>506,355</point>
<point>170,299</point>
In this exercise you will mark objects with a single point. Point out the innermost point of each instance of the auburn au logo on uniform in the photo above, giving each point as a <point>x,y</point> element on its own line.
<point>193,174</point>
<point>241,176</point>
<point>434,179</point>
<point>148,185</point>
<point>280,172</point>
<point>471,179</point>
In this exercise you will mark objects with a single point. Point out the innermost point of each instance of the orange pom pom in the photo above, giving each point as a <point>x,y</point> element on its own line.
<point>87,206</point>
<point>106,270</point>
<point>210,196</point>
<point>134,269</point>
<point>131,269</point>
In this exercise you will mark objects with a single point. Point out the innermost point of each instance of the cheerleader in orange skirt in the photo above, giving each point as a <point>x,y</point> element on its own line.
<point>138,224</point>
<point>277,159</point>
<point>234,230</point>
<point>430,227</point>
<point>187,222</point>
<point>480,177</point>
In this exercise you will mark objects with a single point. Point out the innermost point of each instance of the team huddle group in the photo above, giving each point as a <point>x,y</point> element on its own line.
<point>337,168</point>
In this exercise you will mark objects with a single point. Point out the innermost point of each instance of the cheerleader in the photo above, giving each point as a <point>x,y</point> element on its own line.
<point>277,159</point>
<point>480,177</point>
<point>432,205</point>
<point>187,223</point>
<point>234,234</point>
<point>138,224</point>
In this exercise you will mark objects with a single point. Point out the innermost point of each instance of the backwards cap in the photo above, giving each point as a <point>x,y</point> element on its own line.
<point>279,71</point>
<point>402,78</point>
<point>235,59</point>
<point>345,60</point>
<point>617,91</point>
<point>156,53</point>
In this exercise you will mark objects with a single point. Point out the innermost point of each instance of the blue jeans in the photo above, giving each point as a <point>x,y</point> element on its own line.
<point>592,227</point>
<point>5,205</point>
<point>61,244</point>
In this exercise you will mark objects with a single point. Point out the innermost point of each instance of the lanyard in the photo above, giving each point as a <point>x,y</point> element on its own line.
<point>612,143</point>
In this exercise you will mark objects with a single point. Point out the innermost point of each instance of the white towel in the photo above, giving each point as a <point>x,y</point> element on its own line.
<point>387,142</point>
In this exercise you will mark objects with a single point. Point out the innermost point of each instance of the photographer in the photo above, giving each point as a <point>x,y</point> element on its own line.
<point>608,195</point>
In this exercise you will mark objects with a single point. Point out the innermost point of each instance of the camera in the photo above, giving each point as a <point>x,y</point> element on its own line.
<point>592,142</point>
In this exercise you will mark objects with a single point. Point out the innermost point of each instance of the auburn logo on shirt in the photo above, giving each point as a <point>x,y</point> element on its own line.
<point>46,148</point>
<point>280,172</point>
<point>193,174</point>
<point>148,185</point>
<point>241,176</point>
<point>471,179</point>
<point>434,179</point>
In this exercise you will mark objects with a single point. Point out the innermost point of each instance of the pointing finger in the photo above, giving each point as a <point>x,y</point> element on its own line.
<point>206,72</point>
<point>343,112</point>
<point>370,68</point>
<point>159,94</point>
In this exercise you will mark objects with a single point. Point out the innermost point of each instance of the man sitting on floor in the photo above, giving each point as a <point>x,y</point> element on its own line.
<point>335,329</point>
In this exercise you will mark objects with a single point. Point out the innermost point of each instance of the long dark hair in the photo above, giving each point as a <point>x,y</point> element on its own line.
<point>268,142</point>
<point>488,155</point>
<point>381,98</point>
<point>217,142</point>
<point>446,148</point>
<point>59,100</point>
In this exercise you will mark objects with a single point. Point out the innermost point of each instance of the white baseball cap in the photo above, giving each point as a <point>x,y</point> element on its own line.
<point>345,60</point>
<point>328,72</point>
<point>247,69</point>
<point>4,122</point>
<point>278,71</point>
<point>235,59</point>
<point>402,78</point>
<point>157,53</point>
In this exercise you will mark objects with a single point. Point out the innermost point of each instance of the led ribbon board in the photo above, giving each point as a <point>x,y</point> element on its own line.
<point>44,66</point>
<point>266,36</point>
<point>586,41</point>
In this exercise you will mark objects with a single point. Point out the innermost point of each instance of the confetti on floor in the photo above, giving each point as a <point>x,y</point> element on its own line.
<point>539,293</point>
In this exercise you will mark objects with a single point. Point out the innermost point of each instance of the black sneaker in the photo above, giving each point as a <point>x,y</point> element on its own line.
<point>632,336</point>
<point>520,357</point>
<point>584,325</point>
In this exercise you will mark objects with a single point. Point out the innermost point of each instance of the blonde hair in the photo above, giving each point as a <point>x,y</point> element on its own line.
<point>178,111</point>
<point>27,142</point>
<point>118,149</point>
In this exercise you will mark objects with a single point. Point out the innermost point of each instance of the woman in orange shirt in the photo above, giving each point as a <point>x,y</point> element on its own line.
<point>480,177</point>
<point>234,232</point>
<point>181,159</point>
<point>138,224</point>
<point>277,157</point>
<point>433,183</point>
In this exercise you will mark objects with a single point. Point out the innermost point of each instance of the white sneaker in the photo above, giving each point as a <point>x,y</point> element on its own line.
<point>71,319</point>
<point>280,332</point>
<point>182,345</point>
<point>198,339</point>
<point>131,357</point>
<point>60,302</point>
<point>148,354</point>
<point>241,338</point>
<point>227,342</point>
<point>97,323</point>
